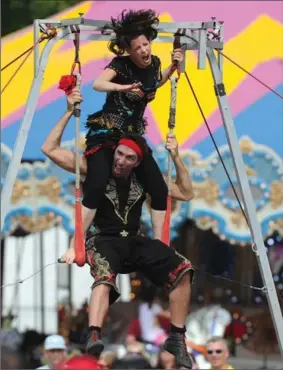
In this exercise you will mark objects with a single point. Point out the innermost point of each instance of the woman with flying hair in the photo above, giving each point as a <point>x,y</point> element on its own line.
<point>130,81</point>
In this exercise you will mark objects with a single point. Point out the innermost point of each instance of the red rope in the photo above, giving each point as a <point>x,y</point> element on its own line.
<point>250,74</point>
<point>52,33</point>
<point>15,73</point>
<point>77,62</point>
<point>17,58</point>
<point>176,45</point>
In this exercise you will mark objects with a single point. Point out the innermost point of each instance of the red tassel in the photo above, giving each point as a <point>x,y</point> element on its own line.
<point>79,232</point>
<point>67,83</point>
<point>167,222</point>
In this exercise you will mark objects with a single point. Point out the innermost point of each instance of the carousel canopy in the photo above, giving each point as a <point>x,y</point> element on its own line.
<point>253,39</point>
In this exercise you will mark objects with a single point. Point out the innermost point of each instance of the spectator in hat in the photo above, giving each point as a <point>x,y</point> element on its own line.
<point>54,351</point>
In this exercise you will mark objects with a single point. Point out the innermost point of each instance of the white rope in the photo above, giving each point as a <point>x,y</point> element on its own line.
<point>77,114</point>
<point>171,125</point>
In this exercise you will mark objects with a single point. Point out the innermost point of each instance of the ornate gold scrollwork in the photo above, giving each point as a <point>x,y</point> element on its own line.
<point>276,194</point>
<point>21,190</point>
<point>50,188</point>
<point>207,221</point>
<point>208,191</point>
<point>238,219</point>
<point>246,146</point>
<point>37,224</point>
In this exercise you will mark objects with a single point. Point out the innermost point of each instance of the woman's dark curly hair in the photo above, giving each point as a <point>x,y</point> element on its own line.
<point>129,25</point>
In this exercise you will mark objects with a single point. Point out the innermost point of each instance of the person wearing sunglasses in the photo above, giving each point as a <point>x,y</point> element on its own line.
<point>217,353</point>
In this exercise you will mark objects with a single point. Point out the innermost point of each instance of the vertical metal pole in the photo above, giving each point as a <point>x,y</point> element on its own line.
<point>42,281</point>
<point>57,253</point>
<point>24,130</point>
<point>36,47</point>
<point>70,287</point>
<point>2,256</point>
<point>17,286</point>
<point>35,242</point>
<point>202,47</point>
<point>35,280</point>
<point>247,198</point>
<point>220,57</point>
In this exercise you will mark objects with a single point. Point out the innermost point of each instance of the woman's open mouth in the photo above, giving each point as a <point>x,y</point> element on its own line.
<point>146,59</point>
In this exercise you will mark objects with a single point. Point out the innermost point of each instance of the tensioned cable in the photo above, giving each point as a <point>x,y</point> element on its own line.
<point>216,147</point>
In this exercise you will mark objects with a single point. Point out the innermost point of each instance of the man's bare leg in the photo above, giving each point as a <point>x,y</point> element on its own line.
<point>98,307</point>
<point>179,300</point>
<point>99,304</point>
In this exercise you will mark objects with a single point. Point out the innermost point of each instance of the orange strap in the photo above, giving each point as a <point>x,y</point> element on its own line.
<point>76,31</point>
<point>176,45</point>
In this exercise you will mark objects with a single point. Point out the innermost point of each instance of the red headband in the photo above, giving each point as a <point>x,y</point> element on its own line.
<point>133,145</point>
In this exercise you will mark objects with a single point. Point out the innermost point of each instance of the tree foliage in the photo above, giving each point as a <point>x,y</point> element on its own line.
<point>16,14</point>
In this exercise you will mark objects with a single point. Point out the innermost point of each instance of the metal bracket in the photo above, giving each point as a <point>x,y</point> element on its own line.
<point>220,90</point>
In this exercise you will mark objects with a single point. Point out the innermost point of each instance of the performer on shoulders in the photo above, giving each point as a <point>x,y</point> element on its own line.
<point>130,81</point>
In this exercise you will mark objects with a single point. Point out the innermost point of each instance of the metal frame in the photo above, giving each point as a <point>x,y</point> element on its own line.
<point>196,36</point>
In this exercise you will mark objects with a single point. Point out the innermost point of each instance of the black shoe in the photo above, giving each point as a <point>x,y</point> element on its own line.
<point>176,345</point>
<point>94,343</point>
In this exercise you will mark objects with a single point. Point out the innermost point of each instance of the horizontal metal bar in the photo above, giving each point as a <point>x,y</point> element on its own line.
<point>98,24</point>
<point>86,28</point>
<point>99,37</point>
<point>186,43</point>
<point>188,25</point>
<point>169,27</point>
<point>48,21</point>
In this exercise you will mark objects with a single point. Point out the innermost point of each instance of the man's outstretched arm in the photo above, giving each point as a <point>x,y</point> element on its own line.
<point>182,188</point>
<point>64,158</point>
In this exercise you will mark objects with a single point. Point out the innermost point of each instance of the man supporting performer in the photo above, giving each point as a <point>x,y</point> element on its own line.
<point>113,242</point>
